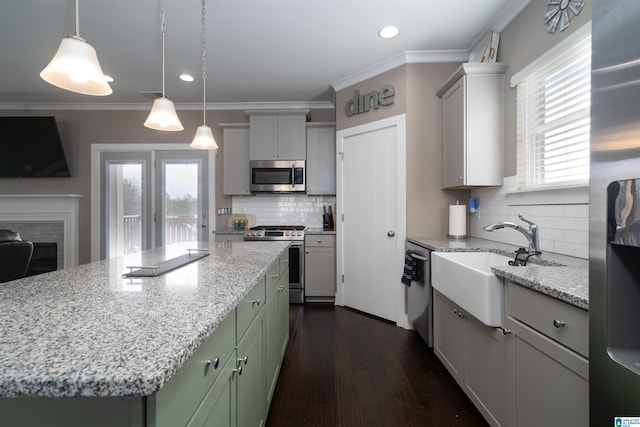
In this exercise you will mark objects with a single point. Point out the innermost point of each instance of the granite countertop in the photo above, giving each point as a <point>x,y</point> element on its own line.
<point>87,331</point>
<point>318,230</point>
<point>558,276</point>
<point>230,231</point>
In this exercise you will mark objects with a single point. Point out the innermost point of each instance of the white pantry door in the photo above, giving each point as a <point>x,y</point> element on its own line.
<point>371,195</point>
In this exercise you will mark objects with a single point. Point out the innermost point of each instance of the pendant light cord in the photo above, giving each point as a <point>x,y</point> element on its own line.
<point>162,31</point>
<point>203,35</point>
<point>77,19</point>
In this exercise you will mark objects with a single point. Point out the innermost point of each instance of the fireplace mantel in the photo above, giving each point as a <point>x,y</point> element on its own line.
<point>47,208</point>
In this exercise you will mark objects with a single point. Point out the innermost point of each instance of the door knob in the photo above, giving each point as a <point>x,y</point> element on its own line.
<point>203,225</point>
<point>391,233</point>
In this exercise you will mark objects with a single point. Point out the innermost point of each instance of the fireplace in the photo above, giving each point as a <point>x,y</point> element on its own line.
<point>45,218</point>
<point>43,259</point>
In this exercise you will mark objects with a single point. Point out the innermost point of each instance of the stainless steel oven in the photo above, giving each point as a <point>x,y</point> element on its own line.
<point>294,234</point>
<point>278,176</point>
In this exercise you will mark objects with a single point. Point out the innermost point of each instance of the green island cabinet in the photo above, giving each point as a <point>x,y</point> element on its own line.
<point>229,380</point>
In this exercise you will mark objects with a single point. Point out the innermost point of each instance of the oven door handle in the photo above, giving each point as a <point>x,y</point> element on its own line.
<point>293,175</point>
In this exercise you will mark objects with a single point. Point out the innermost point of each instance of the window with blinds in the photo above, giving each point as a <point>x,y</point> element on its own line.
<point>553,115</point>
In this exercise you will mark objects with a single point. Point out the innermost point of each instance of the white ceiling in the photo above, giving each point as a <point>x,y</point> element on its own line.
<point>258,51</point>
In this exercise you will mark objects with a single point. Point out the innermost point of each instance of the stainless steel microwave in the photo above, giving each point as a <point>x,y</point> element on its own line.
<point>278,176</point>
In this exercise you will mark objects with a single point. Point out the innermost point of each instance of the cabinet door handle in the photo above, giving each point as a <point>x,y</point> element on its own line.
<point>559,323</point>
<point>244,360</point>
<point>238,370</point>
<point>255,302</point>
<point>215,362</point>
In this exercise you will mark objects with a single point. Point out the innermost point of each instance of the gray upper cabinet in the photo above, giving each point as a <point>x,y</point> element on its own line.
<point>279,135</point>
<point>472,126</point>
<point>235,155</point>
<point>321,159</point>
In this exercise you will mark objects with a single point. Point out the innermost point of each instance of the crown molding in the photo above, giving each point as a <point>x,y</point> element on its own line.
<point>403,58</point>
<point>504,18</point>
<point>211,106</point>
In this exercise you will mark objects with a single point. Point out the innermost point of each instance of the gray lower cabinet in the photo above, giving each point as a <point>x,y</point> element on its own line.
<point>548,368</point>
<point>475,355</point>
<point>320,267</point>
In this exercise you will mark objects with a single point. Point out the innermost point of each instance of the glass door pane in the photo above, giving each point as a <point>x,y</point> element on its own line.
<point>181,197</point>
<point>125,226</point>
<point>124,220</point>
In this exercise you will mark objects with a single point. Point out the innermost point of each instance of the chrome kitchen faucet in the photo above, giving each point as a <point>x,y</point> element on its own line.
<point>531,234</point>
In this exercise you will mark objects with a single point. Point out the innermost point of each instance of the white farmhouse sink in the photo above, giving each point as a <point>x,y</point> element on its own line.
<point>466,279</point>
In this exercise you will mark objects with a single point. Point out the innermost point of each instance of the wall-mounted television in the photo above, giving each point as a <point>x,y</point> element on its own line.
<point>30,146</point>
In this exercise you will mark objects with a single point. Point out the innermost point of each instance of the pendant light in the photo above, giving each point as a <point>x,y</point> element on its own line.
<point>75,66</point>
<point>204,136</point>
<point>163,113</point>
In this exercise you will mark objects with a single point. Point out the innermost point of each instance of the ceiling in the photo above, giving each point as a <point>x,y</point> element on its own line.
<point>258,51</point>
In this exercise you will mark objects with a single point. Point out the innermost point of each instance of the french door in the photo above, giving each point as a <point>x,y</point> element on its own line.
<point>152,198</point>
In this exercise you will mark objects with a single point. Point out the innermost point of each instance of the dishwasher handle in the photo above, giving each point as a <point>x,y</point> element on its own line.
<point>419,257</point>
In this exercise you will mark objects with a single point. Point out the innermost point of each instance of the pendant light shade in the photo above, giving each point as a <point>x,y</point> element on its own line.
<point>163,113</point>
<point>204,136</point>
<point>75,67</point>
<point>163,116</point>
<point>204,139</point>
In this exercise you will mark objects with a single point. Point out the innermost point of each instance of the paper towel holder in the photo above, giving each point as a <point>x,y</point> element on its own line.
<point>457,222</point>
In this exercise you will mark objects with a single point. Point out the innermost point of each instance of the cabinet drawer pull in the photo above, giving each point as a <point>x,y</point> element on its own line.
<point>559,323</point>
<point>504,330</point>
<point>215,362</point>
<point>275,276</point>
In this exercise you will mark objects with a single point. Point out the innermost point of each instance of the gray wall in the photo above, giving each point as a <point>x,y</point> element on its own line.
<point>79,129</point>
<point>521,42</point>
<point>415,86</point>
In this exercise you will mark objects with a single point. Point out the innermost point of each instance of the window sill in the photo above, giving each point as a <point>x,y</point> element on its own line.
<point>559,195</point>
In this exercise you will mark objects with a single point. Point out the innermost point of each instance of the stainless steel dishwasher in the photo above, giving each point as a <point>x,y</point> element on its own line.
<point>420,295</point>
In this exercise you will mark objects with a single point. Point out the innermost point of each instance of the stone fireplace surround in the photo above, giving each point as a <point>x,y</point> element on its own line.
<point>50,217</point>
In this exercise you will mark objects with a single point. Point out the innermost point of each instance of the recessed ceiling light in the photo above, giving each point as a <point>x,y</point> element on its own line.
<point>186,77</point>
<point>108,78</point>
<point>388,32</point>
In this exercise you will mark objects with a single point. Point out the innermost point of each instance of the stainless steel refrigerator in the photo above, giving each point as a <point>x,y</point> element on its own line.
<point>614,206</point>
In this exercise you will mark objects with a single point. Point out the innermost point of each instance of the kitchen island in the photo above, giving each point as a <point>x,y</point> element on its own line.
<point>89,340</point>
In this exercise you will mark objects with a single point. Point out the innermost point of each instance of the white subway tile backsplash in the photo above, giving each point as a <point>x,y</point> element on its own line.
<point>563,228</point>
<point>577,211</point>
<point>276,209</point>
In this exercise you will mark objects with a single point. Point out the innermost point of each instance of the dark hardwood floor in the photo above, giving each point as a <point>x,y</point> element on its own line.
<point>345,368</point>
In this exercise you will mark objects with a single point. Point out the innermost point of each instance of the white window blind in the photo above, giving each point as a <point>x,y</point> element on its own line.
<point>553,115</point>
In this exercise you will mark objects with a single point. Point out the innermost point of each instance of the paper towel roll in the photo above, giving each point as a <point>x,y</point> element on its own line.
<point>457,221</point>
